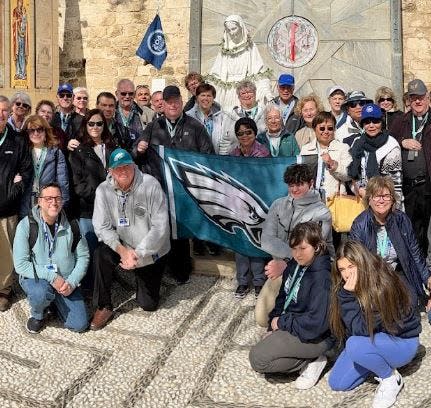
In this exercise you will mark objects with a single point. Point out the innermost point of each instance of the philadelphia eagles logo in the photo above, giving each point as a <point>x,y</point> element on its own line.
<point>223,199</point>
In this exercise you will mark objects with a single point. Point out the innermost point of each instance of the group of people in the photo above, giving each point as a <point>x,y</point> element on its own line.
<point>82,200</point>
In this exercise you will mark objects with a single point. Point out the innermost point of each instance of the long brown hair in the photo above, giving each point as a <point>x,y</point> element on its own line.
<point>105,136</point>
<point>379,290</point>
<point>36,120</point>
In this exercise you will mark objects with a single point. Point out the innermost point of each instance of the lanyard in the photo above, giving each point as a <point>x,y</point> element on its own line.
<point>171,129</point>
<point>320,177</point>
<point>423,123</point>
<point>49,239</point>
<point>382,244</point>
<point>123,199</point>
<point>4,136</point>
<point>251,113</point>
<point>124,119</point>
<point>291,287</point>
<point>64,120</point>
<point>209,125</point>
<point>38,164</point>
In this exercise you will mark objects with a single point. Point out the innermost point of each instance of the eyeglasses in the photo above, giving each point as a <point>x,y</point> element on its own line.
<point>384,197</point>
<point>127,93</point>
<point>247,92</point>
<point>36,130</point>
<point>24,105</point>
<point>65,95</point>
<point>416,97</point>
<point>386,100</point>
<point>328,128</point>
<point>371,120</point>
<point>245,133</point>
<point>98,123</point>
<point>50,199</point>
<point>79,98</point>
<point>354,104</point>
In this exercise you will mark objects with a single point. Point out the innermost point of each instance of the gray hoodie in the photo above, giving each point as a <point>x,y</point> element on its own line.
<point>285,213</point>
<point>145,207</point>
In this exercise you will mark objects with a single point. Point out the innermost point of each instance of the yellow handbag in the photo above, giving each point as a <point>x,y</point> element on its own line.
<point>344,209</point>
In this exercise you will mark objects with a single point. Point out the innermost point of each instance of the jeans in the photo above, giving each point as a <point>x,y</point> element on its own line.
<point>71,309</point>
<point>361,357</point>
<point>250,267</point>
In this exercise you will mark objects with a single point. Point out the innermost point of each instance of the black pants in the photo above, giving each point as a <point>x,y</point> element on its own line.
<point>417,203</point>
<point>179,260</point>
<point>148,279</point>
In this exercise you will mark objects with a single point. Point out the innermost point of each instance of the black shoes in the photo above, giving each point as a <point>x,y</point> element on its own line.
<point>34,326</point>
<point>241,291</point>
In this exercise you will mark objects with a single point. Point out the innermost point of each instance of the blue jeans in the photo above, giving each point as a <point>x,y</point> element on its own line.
<point>71,309</point>
<point>361,357</point>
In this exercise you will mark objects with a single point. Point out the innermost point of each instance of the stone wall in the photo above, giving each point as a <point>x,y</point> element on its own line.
<point>416,18</point>
<point>100,37</point>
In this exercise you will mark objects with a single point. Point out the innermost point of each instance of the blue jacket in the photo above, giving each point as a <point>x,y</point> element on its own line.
<point>71,266</point>
<point>306,317</point>
<point>48,176</point>
<point>288,145</point>
<point>354,319</point>
<point>401,234</point>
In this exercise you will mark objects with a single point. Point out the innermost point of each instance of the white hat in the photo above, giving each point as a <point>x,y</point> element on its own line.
<point>334,88</point>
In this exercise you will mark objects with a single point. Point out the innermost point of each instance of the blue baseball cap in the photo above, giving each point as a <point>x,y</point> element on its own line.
<point>286,80</point>
<point>65,88</point>
<point>120,157</point>
<point>371,111</point>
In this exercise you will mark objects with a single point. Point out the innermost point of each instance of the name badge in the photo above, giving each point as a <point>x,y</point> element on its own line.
<point>123,222</point>
<point>51,268</point>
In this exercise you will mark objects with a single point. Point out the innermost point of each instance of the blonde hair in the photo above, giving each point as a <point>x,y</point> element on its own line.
<point>375,185</point>
<point>385,92</point>
<point>309,98</point>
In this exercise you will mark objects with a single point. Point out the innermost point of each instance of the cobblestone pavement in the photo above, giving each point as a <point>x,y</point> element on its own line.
<point>192,352</point>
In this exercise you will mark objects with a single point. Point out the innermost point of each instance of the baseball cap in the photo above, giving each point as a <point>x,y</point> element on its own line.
<point>65,88</point>
<point>371,111</point>
<point>416,87</point>
<point>171,91</point>
<point>119,157</point>
<point>286,79</point>
<point>334,88</point>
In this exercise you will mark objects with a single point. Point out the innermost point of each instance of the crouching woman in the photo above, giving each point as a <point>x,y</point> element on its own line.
<point>298,332</point>
<point>373,311</point>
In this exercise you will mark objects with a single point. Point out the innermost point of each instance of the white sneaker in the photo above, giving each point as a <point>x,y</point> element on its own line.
<point>310,374</point>
<point>387,390</point>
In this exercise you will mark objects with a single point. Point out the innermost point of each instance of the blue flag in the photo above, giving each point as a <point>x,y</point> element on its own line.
<point>153,45</point>
<point>222,199</point>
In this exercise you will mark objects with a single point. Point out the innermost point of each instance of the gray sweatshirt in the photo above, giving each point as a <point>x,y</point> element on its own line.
<point>285,213</point>
<point>146,210</point>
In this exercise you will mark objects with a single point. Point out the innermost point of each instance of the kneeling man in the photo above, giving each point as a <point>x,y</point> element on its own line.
<point>51,268</point>
<point>130,219</point>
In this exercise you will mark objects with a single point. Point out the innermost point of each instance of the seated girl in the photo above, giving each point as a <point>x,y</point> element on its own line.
<point>373,311</point>
<point>298,332</point>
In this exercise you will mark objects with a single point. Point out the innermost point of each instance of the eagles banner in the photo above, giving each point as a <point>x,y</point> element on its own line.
<point>222,199</point>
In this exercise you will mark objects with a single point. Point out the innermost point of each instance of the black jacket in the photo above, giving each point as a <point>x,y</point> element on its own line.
<point>73,126</point>
<point>400,232</point>
<point>15,159</point>
<point>189,135</point>
<point>306,317</point>
<point>354,319</point>
<point>87,172</point>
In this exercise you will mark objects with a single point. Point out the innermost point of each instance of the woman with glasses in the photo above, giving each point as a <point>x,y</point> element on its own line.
<point>89,164</point>
<point>49,163</point>
<point>21,108</point>
<point>388,232</point>
<point>375,153</point>
<point>329,157</point>
<point>80,100</point>
<point>385,98</point>
<point>307,108</point>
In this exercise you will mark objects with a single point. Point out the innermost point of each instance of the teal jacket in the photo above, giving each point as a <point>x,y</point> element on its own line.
<point>71,266</point>
<point>288,145</point>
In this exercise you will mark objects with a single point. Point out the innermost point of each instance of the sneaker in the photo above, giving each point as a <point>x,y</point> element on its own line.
<point>310,374</point>
<point>387,390</point>
<point>257,290</point>
<point>34,325</point>
<point>241,291</point>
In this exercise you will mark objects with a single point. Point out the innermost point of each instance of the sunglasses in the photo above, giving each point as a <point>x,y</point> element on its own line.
<point>245,133</point>
<point>328,128</point>
<point>386,100</point>
<point>24,105</point>
<point>83,98</point>
<point>127,93</point>
<point>371,120</point>
<point>36,130</point>
<point>354,104</point>
<point>65,95</point>
<point>98,123</point>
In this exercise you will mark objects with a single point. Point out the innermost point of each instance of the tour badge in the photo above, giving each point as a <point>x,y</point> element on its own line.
<point>293,41</point>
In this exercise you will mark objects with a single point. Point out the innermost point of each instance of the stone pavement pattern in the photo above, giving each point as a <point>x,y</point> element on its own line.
<point>192,352</point>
